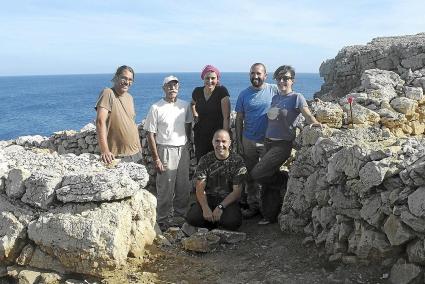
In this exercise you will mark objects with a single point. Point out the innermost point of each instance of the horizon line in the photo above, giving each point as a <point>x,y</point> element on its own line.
<point>177,72</point>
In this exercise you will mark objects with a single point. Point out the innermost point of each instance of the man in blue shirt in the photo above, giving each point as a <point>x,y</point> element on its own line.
<point>251,124</point>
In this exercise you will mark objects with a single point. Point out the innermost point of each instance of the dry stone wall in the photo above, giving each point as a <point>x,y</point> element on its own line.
<point>356,186</point>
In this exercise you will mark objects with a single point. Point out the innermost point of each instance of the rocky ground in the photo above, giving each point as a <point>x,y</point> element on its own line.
<point>266,256</point>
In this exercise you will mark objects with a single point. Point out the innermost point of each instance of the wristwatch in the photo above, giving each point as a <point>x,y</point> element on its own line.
<point>220,206</point>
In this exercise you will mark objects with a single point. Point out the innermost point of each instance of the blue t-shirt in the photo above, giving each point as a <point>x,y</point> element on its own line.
<point>254,103</point>
<point>283,116</point>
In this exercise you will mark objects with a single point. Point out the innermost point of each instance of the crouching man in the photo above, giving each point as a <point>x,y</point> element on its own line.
<point>219,178</point>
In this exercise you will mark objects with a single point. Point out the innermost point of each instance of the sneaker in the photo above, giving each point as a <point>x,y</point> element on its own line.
<point>264,221</point>
<point>249,213</point>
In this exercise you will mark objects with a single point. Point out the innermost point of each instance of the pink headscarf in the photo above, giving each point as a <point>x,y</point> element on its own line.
<point>208,69</point>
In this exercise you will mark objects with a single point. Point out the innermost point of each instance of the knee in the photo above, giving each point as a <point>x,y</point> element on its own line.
<point>194,216</point>
<point>231,224</point>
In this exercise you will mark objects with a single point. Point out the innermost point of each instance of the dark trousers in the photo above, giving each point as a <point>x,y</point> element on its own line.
<point>231,219</point>
<point>273,182</point>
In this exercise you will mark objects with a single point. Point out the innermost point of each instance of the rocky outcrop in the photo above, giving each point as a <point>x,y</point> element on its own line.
<point>71,214</point>
<point>356,187</point>
<point>404,55</point>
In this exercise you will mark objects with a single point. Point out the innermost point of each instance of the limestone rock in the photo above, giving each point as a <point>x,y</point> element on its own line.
<point>26,255</point>
<point>95,240</point>
<point>361,115</point>
<point>174,234</point>
<point>49,278</point>
<point>378,78</point>
<point>229,237</point>
<point>404,105</point>
<point>15,183</point>
<point>28,277</point>
<point>416,223</point>
<point>405,273</point>
<point>416,251</point>
<point>40,188</point>
<point>201,242</point>
<point>327,113</point>
<point>371,211</point>
<point>103,186</point>
<point>414,174</point>
<point>12,237</point>
<point>416,202</point>
<point>397,233</point>
<point>414,93</point>
<point>372,245</point>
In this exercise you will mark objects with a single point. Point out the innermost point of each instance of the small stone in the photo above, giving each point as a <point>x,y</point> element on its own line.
<point>49,278</point>
<point>349,259</point>
<point>188,229</point>
<point>229,237</point>
<point>201,242</point>
<point>174,234</point>
<point>28,277</point>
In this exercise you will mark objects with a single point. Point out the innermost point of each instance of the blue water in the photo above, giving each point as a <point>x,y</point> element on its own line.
<point>41,105</point>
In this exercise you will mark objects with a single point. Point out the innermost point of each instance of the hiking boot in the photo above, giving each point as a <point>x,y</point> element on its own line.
<point>249,213</point>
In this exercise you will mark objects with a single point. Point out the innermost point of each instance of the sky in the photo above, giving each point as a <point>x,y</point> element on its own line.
<point>96,36</point>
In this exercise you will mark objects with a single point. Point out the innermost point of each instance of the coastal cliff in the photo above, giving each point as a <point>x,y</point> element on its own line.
<point>400,54</point>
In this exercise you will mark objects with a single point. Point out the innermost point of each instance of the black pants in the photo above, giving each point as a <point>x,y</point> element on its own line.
<point>231,219</point>
<point>272,196</point>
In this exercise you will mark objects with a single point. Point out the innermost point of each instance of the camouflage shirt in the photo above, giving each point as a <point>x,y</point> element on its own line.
<point>221,175</point>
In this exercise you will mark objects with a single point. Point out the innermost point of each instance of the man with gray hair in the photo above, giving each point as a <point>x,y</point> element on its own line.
<point>169,123</point>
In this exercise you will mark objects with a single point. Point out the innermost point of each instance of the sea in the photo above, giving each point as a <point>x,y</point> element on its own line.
<point>42,105</point>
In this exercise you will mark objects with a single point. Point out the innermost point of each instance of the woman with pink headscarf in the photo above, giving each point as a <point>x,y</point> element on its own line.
<point>211,110</point>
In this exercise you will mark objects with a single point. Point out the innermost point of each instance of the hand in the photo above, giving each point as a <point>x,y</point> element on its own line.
<point>159,166</point>
<point>107,157</point>
<point>195,119</point>
<point>207,214</point>
<point>216,215</point>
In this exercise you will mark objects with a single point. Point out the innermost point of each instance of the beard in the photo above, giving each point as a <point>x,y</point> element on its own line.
<point>257,82</point>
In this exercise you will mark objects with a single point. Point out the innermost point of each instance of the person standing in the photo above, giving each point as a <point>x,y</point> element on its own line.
<point>211,110</point>
<point>219,178</point>
<point>117,133</point>
<point>283,117</point>
<point>251,123</point>
<point>168,124</point>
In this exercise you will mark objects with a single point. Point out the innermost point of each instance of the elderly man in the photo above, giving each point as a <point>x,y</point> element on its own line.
<point>117,132</point>
<point>251,123</point>
<point>219,177</point>
<point>169,124</point>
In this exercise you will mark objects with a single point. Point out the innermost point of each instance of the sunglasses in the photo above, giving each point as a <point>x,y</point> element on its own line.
<point>284,78</point>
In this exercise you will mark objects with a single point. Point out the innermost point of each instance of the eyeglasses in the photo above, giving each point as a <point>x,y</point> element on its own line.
<point>284,78</point>
<point>124,79</point>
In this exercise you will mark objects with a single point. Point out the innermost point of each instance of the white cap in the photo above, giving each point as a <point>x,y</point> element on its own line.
<point>169,79</point>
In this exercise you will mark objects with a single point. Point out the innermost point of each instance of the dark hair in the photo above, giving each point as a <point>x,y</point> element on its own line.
<point>259,64</point>
<point>121,69</point>
<point>284,69</point>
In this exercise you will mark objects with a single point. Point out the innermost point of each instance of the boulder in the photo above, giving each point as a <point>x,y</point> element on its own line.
<point>405,273</point>
<point>397,233</point>
<point>12,237</point>
<point>103,186</point>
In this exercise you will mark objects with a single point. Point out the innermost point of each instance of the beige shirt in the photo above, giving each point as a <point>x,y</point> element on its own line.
<point>123,136</point>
